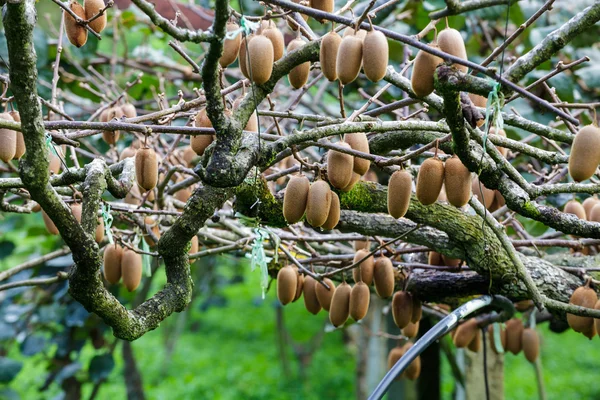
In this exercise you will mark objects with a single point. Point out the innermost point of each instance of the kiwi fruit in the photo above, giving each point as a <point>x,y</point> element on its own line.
<point>325,295</point>
<point>20,149</point>
<point>260,54</point>
<point>423,70</point>
<point>127,152</point>
<point>276,37</point>
<point>350,185</point>
<point>364,271</point>
<point>99,233</point>
<point>359,142</point>
<point>457,179</point>
<point>430,180</point>
<point>129,110</point>
<point>360,297</point>
<point>417,309</point>
<point>450,262</point>
<point>194,245</point>
<point>576,208</point>
<point>484,194</point>
<point>292,25</point>
<point>375,55</point>
<point>146,168</point>
<point>323,5</point>
<point>91,8</point>
<point>183,195</point>
<point>231,47</point>
<point>413,371</point>
<point>585,153</point>
<point>76,211</point>
<point>450,41</point>
<point>514,334</point>
<point>340,305</point>
<point>501,132</point>
<point>531,344</point>
<point>478,101</point>
<point>54,164</point>
<point>108,115</point>
<point>77,34</point>
<point>50,227</point>
<point>349,59</point>
<point>402,308</point>
<point>188,156</point>
<point>465,333</point>
<point>361,34</point>
<point>199,143</point>
<point>361,245</point>
<point>498,199</point>
<point>411,330</point>
<point>399,191</point>
<point>299,285</point>
<point>328,55</point>
<point>394,355</point>
<point>435,258</point>
<point>595,213</point>
<point>339,167</point>
<point>113,253</point>
<point>597,321</point>
<point>243,55</point>
<point>298,76</point>
<point>383,276</point>
<point>318,203</point>
<point>131,269</point>
<point>8,140</point>
<point>287,282</point>
<point>151,223</point>
<point>588,204</point>
<point>295,198</point>
<point>583,296</point>
<point>252,124</point>
<point>475,344</point>
<point>524,305</point>
<point>334,213</point>
<point>133,196</point>
<point>310,295</point>
<point>492,339</point>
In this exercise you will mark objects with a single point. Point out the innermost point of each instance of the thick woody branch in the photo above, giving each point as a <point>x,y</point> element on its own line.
<point>455,7</point>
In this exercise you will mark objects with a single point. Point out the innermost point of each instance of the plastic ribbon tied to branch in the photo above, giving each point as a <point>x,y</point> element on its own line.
<point>245,26</point>
<point>107,218</point>
<point>493,110</point>
<point>49,143</point>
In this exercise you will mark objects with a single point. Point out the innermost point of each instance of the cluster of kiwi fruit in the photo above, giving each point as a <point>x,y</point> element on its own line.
<point>343,57</point>
<point>126,110</point>
<point>320,204</point>
<point>585,153</point>
<point>122,262</point>
<point>453,175</point>
<point>378,271</point>
<point>492,199</point>
<point>435,258</point>
<point>407,312</point>
<point>586,211</point>
<point>584,296</point>
<point>344,170</point>
<point>12,143</point>
<point>77,33</point>
<point>413,371</point>
<point>449,41</point>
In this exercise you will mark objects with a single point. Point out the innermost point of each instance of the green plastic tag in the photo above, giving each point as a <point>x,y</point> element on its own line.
<point>107,219</point>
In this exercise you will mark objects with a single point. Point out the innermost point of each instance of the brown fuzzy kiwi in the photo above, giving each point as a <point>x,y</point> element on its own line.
<point>492,339</point>
<point>349,59</point>
<point>417,309</point>
<point>129,110</point>
<point>193,246</point>
<point>243,55</point>
<point>375,55</point>
<point>77,34</point>
<point>585,153</point>
<point>76,211</point>
<point>131,269</point>
<point>334,213</point>
<point>451,42</point>
<point>298,76</point>
<point>231,47</point>
<point>411,330</point>
<point>514,334</point>
<point>402,308</point>
<point>188,156</point>
<point>152,224</point>
<point>475,344</point>
<point>597,321</point>
<point>478,101</point>
<point>299,286</point>
<point>383,276</point>
<point>498,199</point>
<point>465,333</point>
<point>8,140</point>
<point>260,53</point>
<point>328,55</point>
<point>360,297</point>
<point>339,167</point>
<point>424,67</point>
<point>99,233</point>
<point>20,150</point>
<point>399,191</point>
<point>353,181</point>
<point>252,124</point>
<point>451,262</point>
<point>310,295</point>
<point>91,8</point>
<point>146,168</point>
<point>340,305</point>
<point>531,344</point>
<point>183,195</point>
<point>430,180</point>
<point>113,253</point>
<point>318,203</point>
<point>457,179</point>
<point>287,282</point>
<point>576,208</point>
<point>292,25</point>
<point>127,152</point>
<point>361,34</point>
<point>394,355</point>
<point>485,194</point>
<point>359,142</point>
<point>54,164</point>
<point>361,245</point>
<point>583,296</point>
<point>325,295</point>
<point>50,227</point>
<point>595,213</point>
<point>276,37</point>
<point>133,197</point>
<point>364,272</point>
<point>501,132</point>
<point>323,5</point>
<point>435,258</point>
<point>199,143</point>
<point>588,204</point>
<point>295,198</point>
<point>413,371</point>
<point>524,305</point>
<point>108,115</point>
